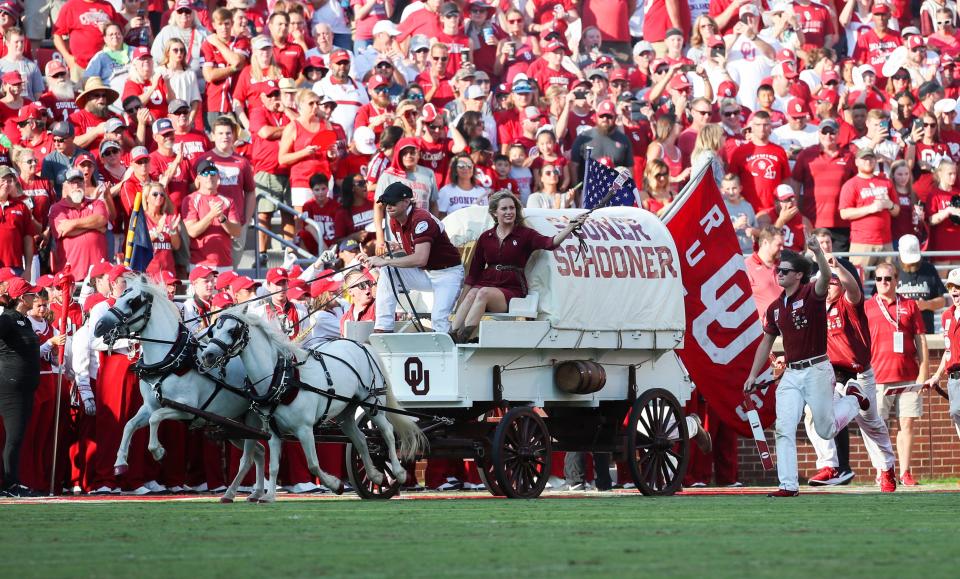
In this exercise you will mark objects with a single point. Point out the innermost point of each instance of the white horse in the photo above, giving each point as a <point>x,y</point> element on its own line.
<point>349,369</point>
<point>144,313</point>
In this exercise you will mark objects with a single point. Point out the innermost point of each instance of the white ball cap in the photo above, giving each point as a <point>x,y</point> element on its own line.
<point>386,26</point>
<point>953,278</point>
<point>909,248</point>
<point>785,192</point>
<point>945,106</point>
<point>365,140</point>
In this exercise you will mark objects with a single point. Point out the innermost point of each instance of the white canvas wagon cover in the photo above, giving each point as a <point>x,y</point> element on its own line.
<point>627,278</point>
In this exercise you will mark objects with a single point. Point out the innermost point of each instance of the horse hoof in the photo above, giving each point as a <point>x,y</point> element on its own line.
<point>226,500</point>
<point>120,469</point>
<point>253,499</point>
<point>264,501</point>
<point>340,489</point>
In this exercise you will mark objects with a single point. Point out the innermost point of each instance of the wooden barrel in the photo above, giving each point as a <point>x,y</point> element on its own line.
<point>579,376</point>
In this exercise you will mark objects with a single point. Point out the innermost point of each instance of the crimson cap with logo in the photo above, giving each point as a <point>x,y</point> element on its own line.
<point>242,282</point>
<point>17,288</point>
<point>201,272</point>
<point>277,275</point>
<point>225,279</point>
<point>339,56</point>
<point>785,192</point>
<point>796,109</point>
<point>103,267</point>
<point>606,108</point>
<point>116,272</point>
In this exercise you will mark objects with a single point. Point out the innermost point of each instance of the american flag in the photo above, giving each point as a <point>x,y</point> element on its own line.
<point>599,180</point>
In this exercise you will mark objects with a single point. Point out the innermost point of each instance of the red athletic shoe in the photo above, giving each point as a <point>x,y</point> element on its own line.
<point>824,477</point>
<point>907,480</point>
<point>888,481</point>
<point>783,493</point>
<point>853,389</point>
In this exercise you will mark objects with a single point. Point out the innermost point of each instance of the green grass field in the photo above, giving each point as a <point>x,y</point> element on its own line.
<point>905,535</point>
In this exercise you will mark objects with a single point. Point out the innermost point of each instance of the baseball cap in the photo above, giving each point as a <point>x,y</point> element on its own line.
<point>100,268</point>
<point>376,81</point>
<point>267,87</point>
<point>419,42</point>
<point>317,62</point>
<point>139,153</point>
<point>200,272</point>
<point>796,109</point>
<point>28,113</point>
<point>6,274</point>
<point>385,26</point>
<point>641,47</point>
<point>880,8</point>
<point>276,275</point>
<point>73,175</point>
<point>475,92</point>
<point>82,158</point>
<point>12,77</point>
<point>177,105</point>
<point>785,192</point>
<point>92,301</point>
<point>466,71</point>
<point>395,192</point>
<point>350,245</point>
<point>603,60</point>
<point>829,124</point>
<point>865,152</point>
<point>619,74</point>
<point>16,288</point>
<point>786,69</point>
<point>830,75</point>
<point>522,87</point>
<point>596,72</point>
<point>224,279</point>
<point>10,7</point>
<point>167,277</point>
<point>45,281</point>
<point>339,56</point>
<point>205,166</point>
<point>183,4</point>
<point>320,286</point>
<point>261,42</point>
<point>945,106</point>
<point>365,140</point>
<point>222,300</point>
<point>953,278</point>
<point>715,40</point>
<point>449,8</point>
<point>117,271</point>
<point>679,82</point>
<point>429,114</point>
<point>727,89</point>
<point>909,248</point>
<point>113,125</point>
<point>287,85</point>
<point>916,41</point>
<point>909,31</point>
<point>606,108</point>
<point>747,9</point>
<point>107,145</point>
<point>827,96</point>
<point>242,282</point>
<point>557,46</point>
<point>162,126</point>
<point>54,67</point>
<point>62,129</point>
<point>141,52</point>
<point>531,113</point>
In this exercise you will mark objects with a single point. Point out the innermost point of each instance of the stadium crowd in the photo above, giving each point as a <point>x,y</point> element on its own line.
<point>200,116</point>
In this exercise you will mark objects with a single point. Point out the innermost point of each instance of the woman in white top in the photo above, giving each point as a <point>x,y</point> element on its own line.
<point>462,189</point>
<point>179,77</point>
<point>549,196</point>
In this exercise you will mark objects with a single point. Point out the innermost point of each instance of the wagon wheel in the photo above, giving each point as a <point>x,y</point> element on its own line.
<point>488,477</point>
<point>657,443</point>
<point>521,454</point>
<point>357,472</point>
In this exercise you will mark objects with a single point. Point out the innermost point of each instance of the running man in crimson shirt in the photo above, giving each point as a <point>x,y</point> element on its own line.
<point>800,316</point>
<point>950,363</point>
<point>848,346</point>
<point>899,356</point>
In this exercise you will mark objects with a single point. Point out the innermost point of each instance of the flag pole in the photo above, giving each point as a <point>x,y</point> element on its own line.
<point>131,229</point>
<point>696,175</point>
<point>66,294</point>
<point>587,155</point>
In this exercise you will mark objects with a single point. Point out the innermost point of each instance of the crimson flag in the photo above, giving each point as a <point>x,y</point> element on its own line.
<point>723,326</point>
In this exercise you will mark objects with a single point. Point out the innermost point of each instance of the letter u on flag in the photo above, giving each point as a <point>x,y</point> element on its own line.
<point>723,328</point>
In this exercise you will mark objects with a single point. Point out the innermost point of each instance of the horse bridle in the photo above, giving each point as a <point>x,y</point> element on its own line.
<point>239,341</point>
<point>142,301</point>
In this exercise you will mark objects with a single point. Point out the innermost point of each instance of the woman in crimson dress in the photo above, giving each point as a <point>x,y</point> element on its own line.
<point>496,272</point>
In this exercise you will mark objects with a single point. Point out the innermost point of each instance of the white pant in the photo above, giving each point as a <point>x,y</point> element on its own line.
<point>876,437</point>
<point>953,391</point>
<point>444,283</point>
<point>813,387</point>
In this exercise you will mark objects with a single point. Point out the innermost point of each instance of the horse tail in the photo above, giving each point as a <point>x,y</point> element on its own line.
<point>413,442</point>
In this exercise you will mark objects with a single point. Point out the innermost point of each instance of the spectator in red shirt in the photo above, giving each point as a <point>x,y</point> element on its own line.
<point>224,55</point>
<point>163,224</point>
<point>425,21</point>
<point>90,120</point>
<point>82,22</point>
<point>16,225</point>
<point>379,112</point>
<point>146,83</point>
<point>168,164</point>
<point>760,164</point>
<point>79,226</point>
<point>289,56</point>
<point>866,201</point>
<point>322,209</point>
<point>944,214</point>
<point>548,70</point>
<point>362,288</point>
<point>451,35</point>
<point>267,123</point>
<point>354,213</point>
<point>212,220</point>
<point>186,138</point>
<point>435,81</point>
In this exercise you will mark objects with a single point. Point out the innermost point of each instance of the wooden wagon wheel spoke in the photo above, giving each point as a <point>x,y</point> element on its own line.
<point>657,443</point>
<point>357,472</point>
<point>521,452</point>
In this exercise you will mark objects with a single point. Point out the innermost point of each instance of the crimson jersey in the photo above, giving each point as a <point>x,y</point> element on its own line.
<point>421,227</point>
<point>760,168</point>
<point>951,337</point>
<point>902,315</point>
<point>872,229</point>
<point>848,339</point>
<point>874,50</point>
<point>802,321</point>
<point>219,94</point>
